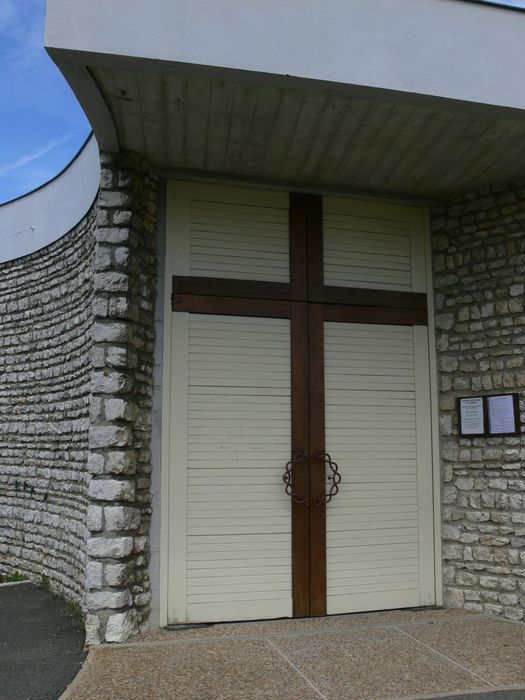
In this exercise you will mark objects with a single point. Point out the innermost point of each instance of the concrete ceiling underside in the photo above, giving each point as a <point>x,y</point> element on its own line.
<point>314,138</point>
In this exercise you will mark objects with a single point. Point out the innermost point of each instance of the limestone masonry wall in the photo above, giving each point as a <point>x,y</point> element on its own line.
<point>479,277</point>
<point>45,374</point>
<point>76,384</point>
<point>118,518</point>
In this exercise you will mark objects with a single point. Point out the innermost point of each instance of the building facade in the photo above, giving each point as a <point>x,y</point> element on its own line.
<point>276,369</point>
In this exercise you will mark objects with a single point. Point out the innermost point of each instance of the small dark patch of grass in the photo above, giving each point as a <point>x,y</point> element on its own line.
<point>76,612</point>
<point>12,578</point>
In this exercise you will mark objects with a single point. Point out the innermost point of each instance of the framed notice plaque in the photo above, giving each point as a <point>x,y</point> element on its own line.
<point>472,418</point>
<point>503,414</point>
<point>489,416</point>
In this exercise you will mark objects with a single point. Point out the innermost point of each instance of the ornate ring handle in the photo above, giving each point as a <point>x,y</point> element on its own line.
<point>288,477</point>
<point>335,478</point>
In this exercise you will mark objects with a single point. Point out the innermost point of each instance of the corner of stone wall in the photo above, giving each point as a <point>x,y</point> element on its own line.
<point>478,242</point>
<point>119,461</point>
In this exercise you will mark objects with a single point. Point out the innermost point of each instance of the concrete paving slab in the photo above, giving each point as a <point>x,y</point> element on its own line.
<point>373,663</point>
<point>225,670</point>
<point>328,624</point>
<point>491,648</point>
<point>351,657</point>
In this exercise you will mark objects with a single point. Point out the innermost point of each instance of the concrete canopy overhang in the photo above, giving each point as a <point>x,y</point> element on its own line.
<point>197,120</point>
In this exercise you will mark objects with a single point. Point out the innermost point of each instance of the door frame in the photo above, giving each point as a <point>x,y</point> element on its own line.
<point>298,290</point>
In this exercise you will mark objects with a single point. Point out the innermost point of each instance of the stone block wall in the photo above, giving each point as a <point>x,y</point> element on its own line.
<point>76,385</point>
<point>118,518</point>
<point>479,279</point>
<point>45,374</point>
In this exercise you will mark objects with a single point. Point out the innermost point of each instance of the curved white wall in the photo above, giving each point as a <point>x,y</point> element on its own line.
<point>32,222</point>
<point>444,48</point>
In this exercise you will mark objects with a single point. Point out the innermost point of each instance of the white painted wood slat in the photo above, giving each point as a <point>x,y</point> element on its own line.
<point>231,233</point>
<point>376,521</point>
<point>375,246</point>
<point>237,439</point>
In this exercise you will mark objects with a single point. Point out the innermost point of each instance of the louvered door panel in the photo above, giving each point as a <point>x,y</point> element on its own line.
<point>377,527</point>
<point>232,233</point>
<point>375,246</point>
<point>238,439</point>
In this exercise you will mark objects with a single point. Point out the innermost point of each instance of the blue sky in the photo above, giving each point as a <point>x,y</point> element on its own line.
<point>42,126</point>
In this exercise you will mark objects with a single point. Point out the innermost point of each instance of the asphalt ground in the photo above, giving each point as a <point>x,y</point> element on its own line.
<point>41,643</point>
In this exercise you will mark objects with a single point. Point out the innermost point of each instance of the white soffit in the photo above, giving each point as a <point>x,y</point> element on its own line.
<point>325,137</point>
<point>414,98</point>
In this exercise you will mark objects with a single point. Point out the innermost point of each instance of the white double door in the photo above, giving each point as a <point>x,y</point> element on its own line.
<point>231,521</point>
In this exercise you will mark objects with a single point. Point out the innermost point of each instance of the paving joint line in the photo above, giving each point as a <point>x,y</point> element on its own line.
<point>178,642</point>
<point>291,663</point>
<point>498,618</point>
<point>445,621</point>
<point>439,653</point>
<point>296,633</point>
